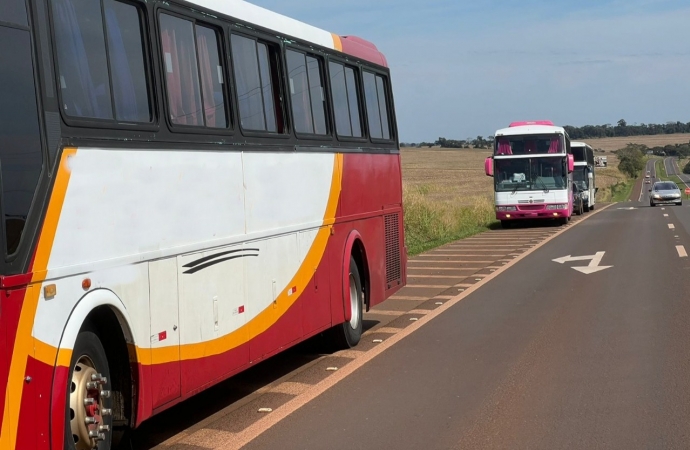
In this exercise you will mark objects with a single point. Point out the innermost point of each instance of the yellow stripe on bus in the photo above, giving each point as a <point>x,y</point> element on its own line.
<point>24,343</point>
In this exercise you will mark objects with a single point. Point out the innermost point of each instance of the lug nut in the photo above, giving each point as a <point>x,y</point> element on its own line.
<point>104,428</point>
<point>106,412</point>
<point>93,385</point>
<point>89,401</point>
<point>99,377</point>
<point>105,393</point>
<point>93,434</point>
<point>90,420</point>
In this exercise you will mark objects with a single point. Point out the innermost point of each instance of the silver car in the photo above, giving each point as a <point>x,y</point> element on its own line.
<point>665,192</point>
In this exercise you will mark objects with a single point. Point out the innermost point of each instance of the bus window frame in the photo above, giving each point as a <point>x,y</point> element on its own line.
<point>284,106</point>
<point>330,124</point>
<point>149,67</point>
<point>387,93</point>
<point>360,97</point>
<point>228,86</point>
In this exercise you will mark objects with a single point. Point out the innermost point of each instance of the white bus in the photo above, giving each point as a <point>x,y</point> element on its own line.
<point>584,175</point>
<point>532,168</point>
<point>186,188</point>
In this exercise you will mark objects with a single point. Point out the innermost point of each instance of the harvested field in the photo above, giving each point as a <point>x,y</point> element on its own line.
<point>660,140</point>
<point>455,175</point>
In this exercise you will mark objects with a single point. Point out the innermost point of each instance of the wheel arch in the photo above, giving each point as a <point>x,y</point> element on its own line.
<point>354,247</point>
<point>102,312</point>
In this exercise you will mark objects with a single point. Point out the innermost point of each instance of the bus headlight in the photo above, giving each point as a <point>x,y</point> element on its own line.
<point>561,206</point>
<point>506,208</point>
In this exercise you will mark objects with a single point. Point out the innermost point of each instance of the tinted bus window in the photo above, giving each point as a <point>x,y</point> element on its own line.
<point>182,77</point>
<point>126,54</point>
<point>306,92</point>
<point>212,78</point>
<point>345,100</point>
<point>255,90</point>
<point>80,42</point>
<point>377,111</point>
<point>89,76</point>
<point>13,11</point>
<point>20,143</point>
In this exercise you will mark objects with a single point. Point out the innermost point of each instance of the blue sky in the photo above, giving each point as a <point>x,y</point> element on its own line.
<point>466,68</point>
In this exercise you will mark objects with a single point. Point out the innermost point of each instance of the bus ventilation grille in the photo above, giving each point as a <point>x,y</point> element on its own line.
<point>393,275</point>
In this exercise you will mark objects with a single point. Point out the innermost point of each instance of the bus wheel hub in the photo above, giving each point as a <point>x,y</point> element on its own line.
<point>86,405</point>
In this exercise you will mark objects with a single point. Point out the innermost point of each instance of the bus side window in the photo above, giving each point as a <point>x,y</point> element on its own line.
<point>14,12</point>
<point>306,92</point>
<point>21,158</point>
<point>101,79</point>
<point>348,122</point>
<point>256,68</point>
<point>377,108</point>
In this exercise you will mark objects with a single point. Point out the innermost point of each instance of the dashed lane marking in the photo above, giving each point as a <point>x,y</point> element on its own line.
<point>681,251</point>
<point>671,226</point>
<point>665,215</point>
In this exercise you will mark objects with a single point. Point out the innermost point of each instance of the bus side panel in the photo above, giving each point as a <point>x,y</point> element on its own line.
<point>370,183</point>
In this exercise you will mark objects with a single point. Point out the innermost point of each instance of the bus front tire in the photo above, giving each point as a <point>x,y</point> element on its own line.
<point>506,224</point>
<point>348,334</point>
<point>88,413</point>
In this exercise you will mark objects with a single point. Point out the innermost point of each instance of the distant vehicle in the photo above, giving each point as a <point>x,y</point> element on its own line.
<point>647,176</point>
<point>664,192</point>
<point>648,181</point>
<point>578,200</point>
<point>584,176</point>
<point>532,169</point>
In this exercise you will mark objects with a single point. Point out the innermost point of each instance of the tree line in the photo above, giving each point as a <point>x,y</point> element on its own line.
<point>621,129</point>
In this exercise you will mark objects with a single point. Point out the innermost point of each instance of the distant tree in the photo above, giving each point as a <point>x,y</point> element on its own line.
<point>686,169</point>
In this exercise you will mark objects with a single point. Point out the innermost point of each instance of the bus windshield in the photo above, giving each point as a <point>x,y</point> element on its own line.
<point>580,177</point>
<point>529,144</point>
<point>527,174</point>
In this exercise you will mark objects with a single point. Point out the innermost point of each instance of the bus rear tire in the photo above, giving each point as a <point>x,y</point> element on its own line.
<point>587,208</point>
<point>348,334</point>
<point>88,382</point>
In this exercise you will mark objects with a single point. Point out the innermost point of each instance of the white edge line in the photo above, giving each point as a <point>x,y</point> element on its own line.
<point>262,425</point>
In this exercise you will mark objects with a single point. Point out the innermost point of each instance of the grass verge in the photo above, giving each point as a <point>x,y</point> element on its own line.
<point>430,223</point>
<point>620,192</point>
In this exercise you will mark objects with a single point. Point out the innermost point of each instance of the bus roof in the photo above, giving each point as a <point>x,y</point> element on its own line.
<point>248,12</point>
<point>530,129</point>
<point>579,144</point>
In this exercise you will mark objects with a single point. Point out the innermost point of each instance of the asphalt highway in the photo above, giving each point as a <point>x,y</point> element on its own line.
<point>543,356</point>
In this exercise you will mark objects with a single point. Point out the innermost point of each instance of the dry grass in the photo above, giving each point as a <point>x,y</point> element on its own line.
<point>611,144</point>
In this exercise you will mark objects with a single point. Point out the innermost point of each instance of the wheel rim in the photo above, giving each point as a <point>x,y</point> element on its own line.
<point>86,402</point>
<point>354,304</point>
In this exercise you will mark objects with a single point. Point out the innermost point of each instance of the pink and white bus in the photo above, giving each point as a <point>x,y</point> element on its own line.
<point>532,169</point>
<point>187,188</point>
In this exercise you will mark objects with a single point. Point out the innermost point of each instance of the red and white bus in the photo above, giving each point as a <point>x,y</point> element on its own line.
<point>532,169</point>
<point>187,189</point>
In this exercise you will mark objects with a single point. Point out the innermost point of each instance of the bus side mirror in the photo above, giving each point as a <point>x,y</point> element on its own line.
<point>489,167</point>
<point>590,175</point>
<point>571,163</point>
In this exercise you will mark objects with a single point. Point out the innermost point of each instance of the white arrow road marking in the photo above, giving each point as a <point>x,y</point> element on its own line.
<point>593,265</point>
